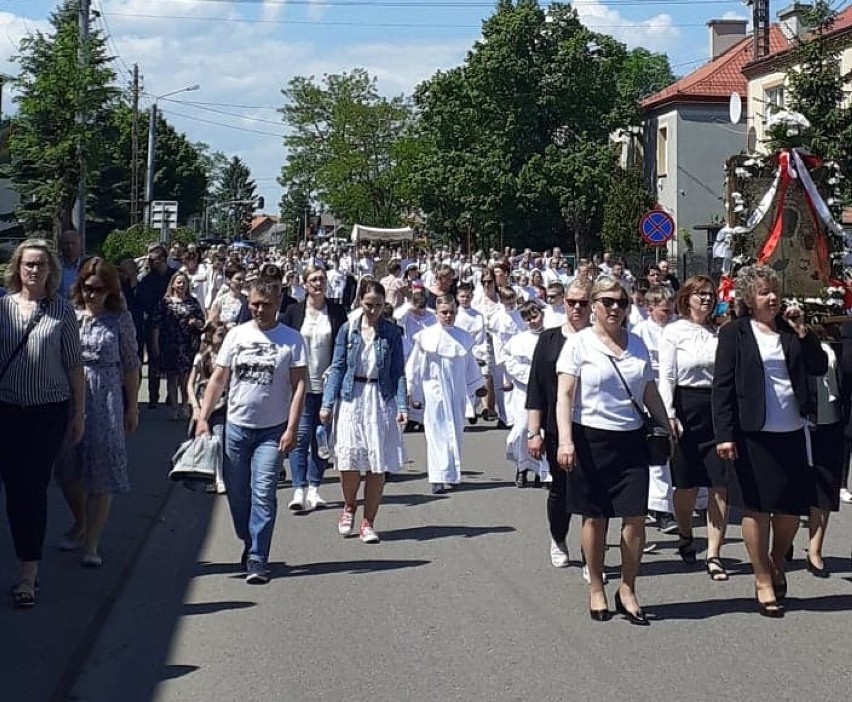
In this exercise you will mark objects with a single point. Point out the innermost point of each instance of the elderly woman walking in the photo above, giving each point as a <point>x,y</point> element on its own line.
<point>42,398</point>
<point>761,400</point>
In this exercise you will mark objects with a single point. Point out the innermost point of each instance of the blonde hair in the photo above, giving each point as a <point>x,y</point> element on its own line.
<point>745,286</point>
<point>13,272</point>
<point>606,284</point>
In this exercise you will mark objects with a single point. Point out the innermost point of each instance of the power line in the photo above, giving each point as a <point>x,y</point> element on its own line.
<point>230,104</point>
<point>448,4</point>
<point>220,124</point>
<point>99,14</point>
<point>276,123</point>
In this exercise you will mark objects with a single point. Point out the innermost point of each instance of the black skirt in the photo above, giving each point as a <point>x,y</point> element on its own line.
<point>610,477</point>
<point>694,461</point>
<point>772,473</point>
<point>828,448</point>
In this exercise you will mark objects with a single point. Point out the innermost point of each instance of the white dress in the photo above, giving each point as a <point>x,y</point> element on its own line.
<point>368,438</point>
<point>441,374</point>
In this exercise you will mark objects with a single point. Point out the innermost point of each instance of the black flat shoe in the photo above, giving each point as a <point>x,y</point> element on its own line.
<point>816,572</point>
<point>686,549</point>
<point>637,618</point>
<point>521,479</point>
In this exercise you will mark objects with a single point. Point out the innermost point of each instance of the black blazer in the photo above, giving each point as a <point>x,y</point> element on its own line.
<point>845,373</point>
<point>738,401</point>
<point>541,388</point>
<point>294,316</point>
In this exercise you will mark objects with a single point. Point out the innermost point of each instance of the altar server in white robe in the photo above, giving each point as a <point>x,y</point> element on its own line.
<point>504,325</point>
<point>442,373</point>
<point>473,322</point>
<point>517,360</point>
<point>413,317</point>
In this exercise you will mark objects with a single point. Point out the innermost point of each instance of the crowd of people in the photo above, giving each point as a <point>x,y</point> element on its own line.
<point>329,355</point>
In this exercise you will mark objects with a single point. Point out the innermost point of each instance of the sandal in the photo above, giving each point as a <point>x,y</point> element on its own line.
<point>716,570</point>
<point>22,596</point>
<point>686,548</point>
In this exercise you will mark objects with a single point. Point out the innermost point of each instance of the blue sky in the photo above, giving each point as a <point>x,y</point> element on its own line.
<point>242,52</point>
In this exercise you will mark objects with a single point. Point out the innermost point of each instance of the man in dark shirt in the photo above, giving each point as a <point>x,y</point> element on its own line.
<point>150,290</point>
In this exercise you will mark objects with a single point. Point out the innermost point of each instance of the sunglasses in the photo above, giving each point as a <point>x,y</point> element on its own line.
<point>93,289</point>
<point>575,303</point>
<point>608,302</point>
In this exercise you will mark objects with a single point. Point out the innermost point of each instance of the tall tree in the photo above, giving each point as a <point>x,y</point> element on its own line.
<point>53,88</point>
<point>817,90</point>
<point>352,144</point>
<point>518,136</point>
<point>626,201</point>
<point>235,197</point>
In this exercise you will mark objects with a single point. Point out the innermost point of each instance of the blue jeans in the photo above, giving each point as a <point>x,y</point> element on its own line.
<point>306,466</point>
<point>252,464</point>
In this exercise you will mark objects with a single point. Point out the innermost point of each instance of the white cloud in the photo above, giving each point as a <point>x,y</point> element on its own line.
<point>12,30</point>
<point>657,33</point>
<point>734,15</point>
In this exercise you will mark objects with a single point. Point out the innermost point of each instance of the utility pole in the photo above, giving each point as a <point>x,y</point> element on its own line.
<point>83,62</point>
<point>149,171</point>
<point>134,159</point>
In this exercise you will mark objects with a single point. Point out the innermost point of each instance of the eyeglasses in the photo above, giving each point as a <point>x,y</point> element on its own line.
<point>705,295</point>
<point>608,302</point>
<point>93,289</point>
<point>575,303</point>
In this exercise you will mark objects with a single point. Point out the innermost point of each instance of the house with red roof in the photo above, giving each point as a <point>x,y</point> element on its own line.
<point>688,135</point>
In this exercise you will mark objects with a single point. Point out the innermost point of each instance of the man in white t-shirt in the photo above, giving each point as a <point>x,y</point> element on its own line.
<point>263,365</point>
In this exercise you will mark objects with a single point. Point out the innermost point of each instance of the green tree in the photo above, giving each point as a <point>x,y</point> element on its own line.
<point>519,134</point>
<point>817,90</point>
<point>626,201</point>
<point>235,195</point>
<point>52,89</point>
<point>353,145</point>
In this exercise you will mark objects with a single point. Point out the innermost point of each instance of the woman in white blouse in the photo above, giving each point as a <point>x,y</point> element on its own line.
<point>602,440</point>
<point>687,360</point>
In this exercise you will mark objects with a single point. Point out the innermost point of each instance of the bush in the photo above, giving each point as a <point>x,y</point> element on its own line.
<point>133,243</point>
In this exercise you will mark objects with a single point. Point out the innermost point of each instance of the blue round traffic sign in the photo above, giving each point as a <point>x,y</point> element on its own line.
<point>657,227</point>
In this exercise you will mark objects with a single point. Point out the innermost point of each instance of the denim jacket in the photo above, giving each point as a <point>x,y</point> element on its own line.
<point>389,358</point>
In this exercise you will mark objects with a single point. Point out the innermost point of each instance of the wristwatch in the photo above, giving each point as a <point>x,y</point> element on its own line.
<point>533,435</point>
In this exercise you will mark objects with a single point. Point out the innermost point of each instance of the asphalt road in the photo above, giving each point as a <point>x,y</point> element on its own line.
<point>458,602</point>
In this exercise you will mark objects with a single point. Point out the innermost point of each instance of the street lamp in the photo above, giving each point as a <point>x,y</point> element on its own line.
<point>152,146</point>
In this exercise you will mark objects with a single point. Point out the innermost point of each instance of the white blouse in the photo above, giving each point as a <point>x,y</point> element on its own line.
<point>782,409</point>
<point>687,358</point>
<point>600,399</point>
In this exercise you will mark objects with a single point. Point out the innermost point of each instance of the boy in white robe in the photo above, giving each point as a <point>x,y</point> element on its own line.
<point>442,373</point>
<point>503,325</point>
<point>473,322</point>
<point>517,360</point>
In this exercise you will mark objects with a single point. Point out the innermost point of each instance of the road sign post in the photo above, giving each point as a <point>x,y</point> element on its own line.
<point>164,217</point>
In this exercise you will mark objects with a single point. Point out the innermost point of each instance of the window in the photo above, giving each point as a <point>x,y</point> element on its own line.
<point>662,151</point>
<point>775,100</point>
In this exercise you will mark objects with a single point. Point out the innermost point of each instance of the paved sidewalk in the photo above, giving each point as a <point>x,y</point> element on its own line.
<point>43,648</point>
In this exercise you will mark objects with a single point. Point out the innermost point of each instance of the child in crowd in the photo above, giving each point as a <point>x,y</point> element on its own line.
<point>203,366</point>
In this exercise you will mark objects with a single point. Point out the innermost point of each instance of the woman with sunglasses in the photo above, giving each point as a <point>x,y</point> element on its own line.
<point>94,470</point>
<point>318,319</point>
<point>604,373</point>
<point>42,398</point>
<point>366,383</point>
<point>687,366</point>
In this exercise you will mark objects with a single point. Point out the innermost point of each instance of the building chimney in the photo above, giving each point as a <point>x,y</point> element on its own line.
<point>724,33</point>
<point>792,21</point>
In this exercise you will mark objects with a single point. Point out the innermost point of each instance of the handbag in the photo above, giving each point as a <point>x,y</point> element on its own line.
<point>657,437</point>
<point>197,459</point>
<point>35,319</point>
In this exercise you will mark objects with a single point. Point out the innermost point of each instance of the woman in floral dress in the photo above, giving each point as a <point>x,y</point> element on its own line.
<point>178,321</point>
<point>91,472</point>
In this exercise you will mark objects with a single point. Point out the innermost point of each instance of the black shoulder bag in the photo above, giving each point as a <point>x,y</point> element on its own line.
<point>658,438</point>
<point>36,318</point>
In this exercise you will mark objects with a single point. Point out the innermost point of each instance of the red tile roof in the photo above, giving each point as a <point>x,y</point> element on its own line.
<point>716,80</point>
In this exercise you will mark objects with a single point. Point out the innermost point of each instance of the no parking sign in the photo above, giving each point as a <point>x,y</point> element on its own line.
<point>657,227</point>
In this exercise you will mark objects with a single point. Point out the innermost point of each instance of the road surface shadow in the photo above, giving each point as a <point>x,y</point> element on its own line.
<point>412,500</point>
<point>706,609</point>
<point>353,567</point>
<point>432,532</point>
<point>171,672</point>
<point>213,607</point>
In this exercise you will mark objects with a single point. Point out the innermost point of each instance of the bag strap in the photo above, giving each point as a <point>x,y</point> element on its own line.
<point>42,308</point>
<point>642,413</point>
